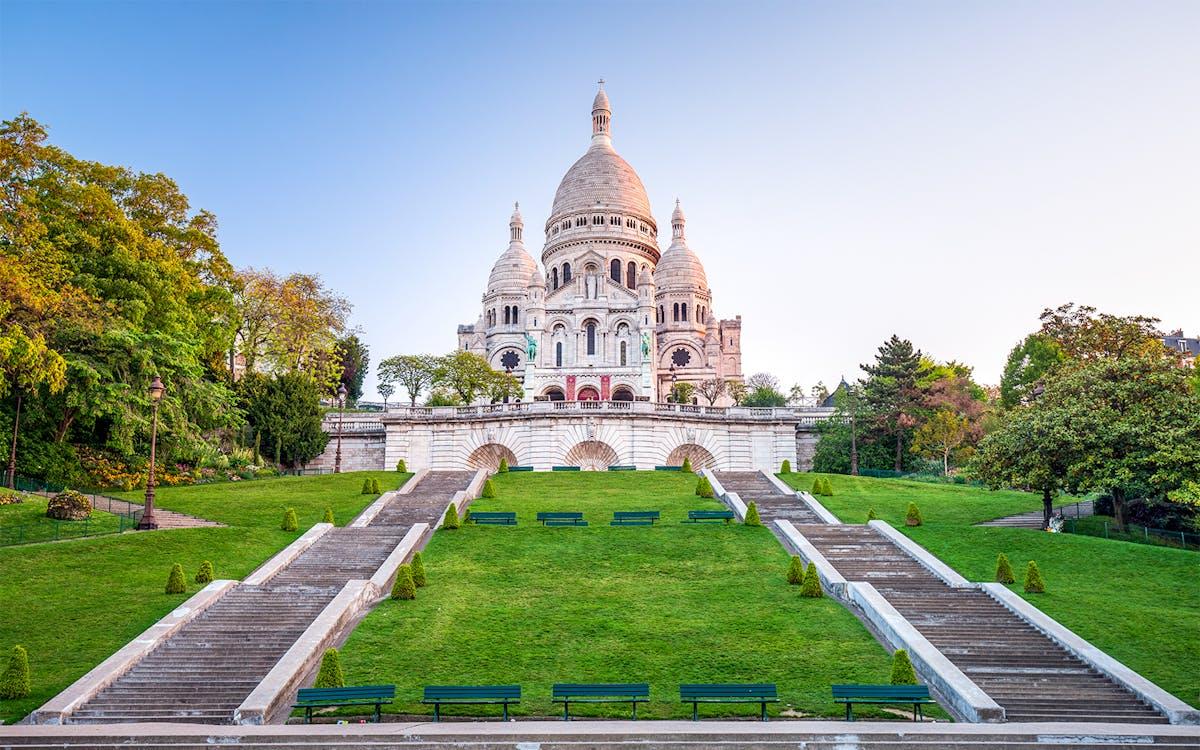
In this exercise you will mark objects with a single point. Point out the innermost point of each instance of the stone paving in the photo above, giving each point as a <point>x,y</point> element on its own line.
<point>1033,519</point>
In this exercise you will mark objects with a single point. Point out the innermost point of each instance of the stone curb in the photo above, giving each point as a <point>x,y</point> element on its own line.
<point>1176,711</point>
<point>365,518</point>
<point>921,555</point>
<point>821,511</point>
<point>412,481</point>
<point>718,488</point>
<point>833,581</point>
<point>778,483</point>
<point>285,677</point>
<point>61,706</point>
<point>402,553</point>
<point>285,556</point>
<point>966,698</point>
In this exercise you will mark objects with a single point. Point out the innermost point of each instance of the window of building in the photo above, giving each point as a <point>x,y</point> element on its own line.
<point>554,278</point>
<point>675,315</point>
<point>506,315</point>
<point>597,220</point>
<point>558,354</point>
<point>683,312</point>
<point>566,273</point>
<point>591,338</point>
<point>631,275</point>
<point>614,270</point>
<point>510,359</point>
<point>624,354</point>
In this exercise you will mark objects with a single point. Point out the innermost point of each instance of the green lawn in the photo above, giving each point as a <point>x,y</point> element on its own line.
<point>72,604</point>
<point>26,522</point>
<point>1139,603</point>
<point>665,604</point>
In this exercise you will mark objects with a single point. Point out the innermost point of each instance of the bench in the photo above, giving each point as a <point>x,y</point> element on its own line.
<point>917,695</point>
<point>668,468</point>
<point>761,693</point>
<point>631,693</point>
<point>698,516</point>
<point>493,518</point>
<point>561,519</point>
<point>470,695</point>
<point>564,468</point>
<point>520,468</point>
<point>364,695</point>
<point>615,467</point>
<point>634,517</point>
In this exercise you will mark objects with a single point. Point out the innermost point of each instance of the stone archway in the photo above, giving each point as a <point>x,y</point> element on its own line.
<point>488,457</point>
<point>700,456</point>
<point>591,455</point>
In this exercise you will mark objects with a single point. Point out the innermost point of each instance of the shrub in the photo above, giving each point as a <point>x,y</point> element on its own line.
<point>8,497</point>
<point>704,487</point>
<point>404,587</point>
<point>15,682</point>
<point>375,489</point>
<point>687,465</point>
<point>401,466</point>
<point>1033,579</point>
<point>489,489</point>
<point>902,669</point>
<point>330,675</point>
<point>752,518</point>
<point>827,484</point>
<point>818,487</point>
<point>289,520</point>
<point>366,490</point>
<point>812,583</point>
<point>1004,571</point>
<point>205,574</point>
<point>175,584</point>
<point>418,571</point>
<point>450,521</point>
<point>503,467</point>
<point>913,516</point>
<point>69,505</point>
<point>786,467</point>
<point>795,574</point>
<point>328,517</point>
<point>466,513</point>
<point>871,516</point>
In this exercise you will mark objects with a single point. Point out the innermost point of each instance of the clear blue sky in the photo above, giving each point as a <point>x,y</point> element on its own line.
<point>849,170</point>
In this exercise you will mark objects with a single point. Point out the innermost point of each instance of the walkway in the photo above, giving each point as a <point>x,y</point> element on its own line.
<point>207,669</point>
<point>167,519</point>
<point>1025,672</point>
<point>1033,519</point>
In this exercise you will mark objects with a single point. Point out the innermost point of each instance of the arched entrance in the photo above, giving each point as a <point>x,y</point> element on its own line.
<point>588,393</point>
<point>699,456</point>
<point>591,455</point>
<point>621,393</point>
<point>555,394</point>
<point>488,457</point>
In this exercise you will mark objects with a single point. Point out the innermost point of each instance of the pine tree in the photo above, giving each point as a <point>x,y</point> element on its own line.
<point>450,521</point>
<point>1033,579</point>
<point>795,573</point>
<point>418,570</point>
<point>330,675</point>
<point>902,669</point>
<point>871,516</point>
<point>752,518</point>
<point>818,487</point>
<point>704,487</point>
<point>503,467</point>
<point>205,574</point>
<point>891,391</point>
<point>687,465</point>
<point>290,523</point>
<point>366,490</point>
<point>913,516</point>
<point>786,468</point>
<point>1004,571</point>
<point>401,466</point>
<point>404,587</point>
<point>375,486</point>
<point>328,517</point>
<point>489,489</point>
<point>827,486</point>
<point>812,583</point>
<point>175,583</point>
<point>15,682</point>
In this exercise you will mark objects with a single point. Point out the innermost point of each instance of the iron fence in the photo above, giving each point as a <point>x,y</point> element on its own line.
<point>1133,533</point>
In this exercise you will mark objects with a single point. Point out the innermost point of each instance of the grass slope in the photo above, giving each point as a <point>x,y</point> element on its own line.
<point>72,604</point>
<point>665,604</point>
<point>27,522</point>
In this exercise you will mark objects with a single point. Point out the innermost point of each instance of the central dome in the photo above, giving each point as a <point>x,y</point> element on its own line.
<point>601,179</point>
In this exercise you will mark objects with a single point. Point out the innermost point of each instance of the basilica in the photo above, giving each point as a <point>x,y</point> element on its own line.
<point>606,316</point>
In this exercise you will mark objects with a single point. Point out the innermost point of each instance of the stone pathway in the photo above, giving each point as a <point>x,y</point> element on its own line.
<point>772,503</point>
<point>1033,519</point>
<point>208,668</point>
<point>167,519</point>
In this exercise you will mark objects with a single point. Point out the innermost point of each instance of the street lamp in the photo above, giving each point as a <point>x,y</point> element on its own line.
<point>674,377</point>
<point>337,457</point>
<point>147,522</point>
<point>12,457</point>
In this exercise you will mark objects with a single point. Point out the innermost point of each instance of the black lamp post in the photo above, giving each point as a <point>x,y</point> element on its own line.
<point>337,456</point>
<point>157,389</point>
<point>674,377</point>
<point>12,457</point>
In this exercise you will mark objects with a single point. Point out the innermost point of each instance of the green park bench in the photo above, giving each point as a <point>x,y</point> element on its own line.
<point>464,695</point>
<point>622,467</point>
<point>564,468</point>
<point>364,695</point>
<point>698,516</point>
<point>634,517</point>
<point>917,695</point>
<point>520,468</point>
<point>761,693</point>
<point>493,518</point>
<point>632,693</point>
<point>561,519</point>
<point>668,468</point>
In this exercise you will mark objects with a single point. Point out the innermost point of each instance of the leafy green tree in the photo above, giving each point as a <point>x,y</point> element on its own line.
<point>682,392</point>
<point>1028,364</point>
<point>1033,448</point>
<point>353,357</point>
<point>763,390</point>
<point>1085,334</point>
<point>712,389</point>
<point>285,410</point>
<point>892,393</point>
<point>415,372</point>
<point>940,436</point>
<point>468,376</point>
<point>386,391</point>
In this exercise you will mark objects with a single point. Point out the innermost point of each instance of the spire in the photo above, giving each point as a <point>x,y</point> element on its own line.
<point>677,221</point>
<point>516,225</point>
<point>601,116</point>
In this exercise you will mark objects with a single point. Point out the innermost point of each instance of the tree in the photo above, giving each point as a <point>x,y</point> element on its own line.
<point>681,392</point>
<point>1028,363</point>
<point>1032,448</point>
<point>940,436</point>
<point>353,357</point>
<point>415,372</point>
<point>285,411</point>
<point>386,390</point>
<point>847,399</point>
<point>762,390</point>
<point>711,389</point>
<point>891,391</point>
<point>468,376</point>
<point>736,390</point>
<point>1084,334</point>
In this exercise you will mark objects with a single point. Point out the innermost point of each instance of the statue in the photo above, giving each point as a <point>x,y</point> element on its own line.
<point>530,348</point>
<point>645,343</point>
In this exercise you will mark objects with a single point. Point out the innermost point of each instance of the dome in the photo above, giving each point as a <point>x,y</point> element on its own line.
<point>679,267</point>
<point>514,266</point>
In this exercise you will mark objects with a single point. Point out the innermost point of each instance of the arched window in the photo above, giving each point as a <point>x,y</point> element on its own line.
<point>566,273</point>
<point>554,278</point>
<point>591,338</point>
<point>506,321</point>
<point>675,317</point>
<point>631,275</point>
<point>683,312</point>
<point>624,354</point>
<point>614,270</point>
<point>662,317</point>
<point>514,314</point>
<point>558,354</point>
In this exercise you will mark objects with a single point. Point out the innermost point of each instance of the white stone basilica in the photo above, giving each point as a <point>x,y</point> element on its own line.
<point>611,318</point>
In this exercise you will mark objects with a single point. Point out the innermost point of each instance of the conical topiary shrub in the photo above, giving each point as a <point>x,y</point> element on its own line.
<point>795,574</point>
<point>704,487</point>
<point>401,466</point>
<point>752,518</point>
<point>375,486</point>
<point>418,571</point>
<point>827,484</point>
<point>404,587</point>
<point>330,675</point>
<point>450,520</point>
<point>687,465</point>
<point>812,583</point>
<point>205,574</point>
<point>489,489</point>
<point>913,516</point>
<point>503,467</point>
<point>289,520</point>
<point>15,682</point>
<point>786,468</point>
<point>1004,571</point>
<point>871,515</point>
<point>175,584</point>
<point>1033,579</point>
<point>366,490</point>
<point>328,517</point>
<point>464,515</point>
<point>902,669</point>
<point>818,487</point>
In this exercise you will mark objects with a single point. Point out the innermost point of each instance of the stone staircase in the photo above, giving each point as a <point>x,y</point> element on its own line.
<point>1033,519</point>
<point>772,503</point>
<point>209,667</point>
<point>1032,677</point>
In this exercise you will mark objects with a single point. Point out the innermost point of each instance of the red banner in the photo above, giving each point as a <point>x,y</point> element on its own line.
<point>570,387</point>
<point>605,382</point>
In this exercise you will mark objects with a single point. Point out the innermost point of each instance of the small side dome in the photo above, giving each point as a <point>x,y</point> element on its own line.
<point>536,279</point>
<point>514,266</point>
<point>679,268</point>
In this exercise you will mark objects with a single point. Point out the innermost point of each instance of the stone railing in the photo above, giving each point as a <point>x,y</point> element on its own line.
<point>800,415</point>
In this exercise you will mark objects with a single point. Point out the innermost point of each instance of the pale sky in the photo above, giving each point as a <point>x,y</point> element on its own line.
<point>849,170</point>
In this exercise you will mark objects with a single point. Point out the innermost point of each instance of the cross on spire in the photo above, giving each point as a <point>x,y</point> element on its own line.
<point>601,83</point>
